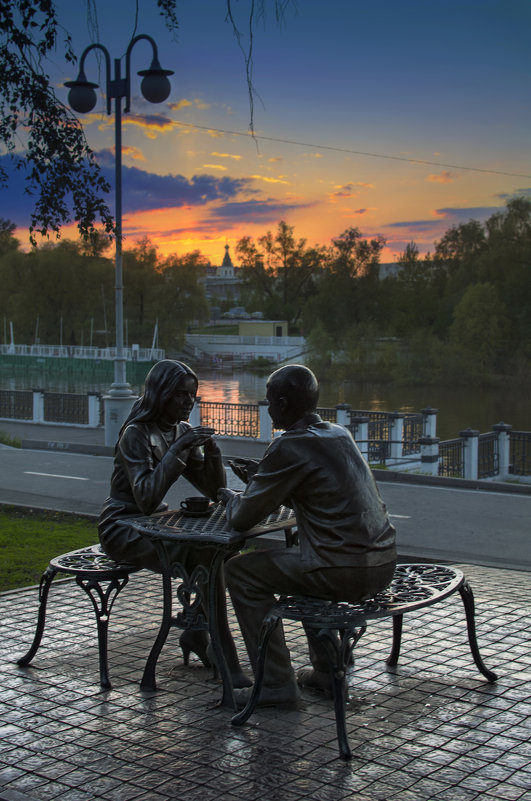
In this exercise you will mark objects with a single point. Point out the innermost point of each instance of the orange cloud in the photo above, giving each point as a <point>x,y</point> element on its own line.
<point>214,167</point>
<point>270,180</point>
<point>180,104</point>
<point>133,152</point>
<point>445,177</point>
<point>347,190</point>
<point>342,192</point>
<point>151,124</point>
<point>226,156</point>
<point>183,103</point>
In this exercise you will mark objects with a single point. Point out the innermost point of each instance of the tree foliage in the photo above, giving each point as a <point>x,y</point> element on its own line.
<point>463,314</point>
<point>64,291</point>
<point>59,167</point>
<point>279,273</point>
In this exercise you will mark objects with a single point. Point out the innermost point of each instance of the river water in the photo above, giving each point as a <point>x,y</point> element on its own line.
<point>459,407</point>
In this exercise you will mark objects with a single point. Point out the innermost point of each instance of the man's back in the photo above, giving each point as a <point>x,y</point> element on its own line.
<point>316,468</point>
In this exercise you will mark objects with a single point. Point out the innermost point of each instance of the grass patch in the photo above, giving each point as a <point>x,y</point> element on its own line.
<point>30,538</point>
<point>7,439</point>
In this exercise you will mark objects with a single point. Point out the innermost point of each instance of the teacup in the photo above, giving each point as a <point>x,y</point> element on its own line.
<point>195,503</point>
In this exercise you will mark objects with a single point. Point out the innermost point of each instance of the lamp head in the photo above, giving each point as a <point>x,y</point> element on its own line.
<point>82,97</point>
<point>155,86</point>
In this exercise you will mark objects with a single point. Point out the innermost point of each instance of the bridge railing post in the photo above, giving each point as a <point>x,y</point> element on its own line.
<point>430,421</point>
<point>429,455</point>
<point>470,439</point>
<point>266,427</point>
<point>504,437</point>
<point>397,434</point>
<point>38,406</point>
<point>360,432</point>
<point>343,414</point>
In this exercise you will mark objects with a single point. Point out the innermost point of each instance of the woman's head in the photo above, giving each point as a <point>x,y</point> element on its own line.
<point>169,383</point>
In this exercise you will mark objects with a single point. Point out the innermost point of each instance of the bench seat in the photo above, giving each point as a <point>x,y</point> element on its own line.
<point>101,578</point>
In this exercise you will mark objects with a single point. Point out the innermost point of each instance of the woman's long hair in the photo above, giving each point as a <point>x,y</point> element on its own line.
<point>164,378</point>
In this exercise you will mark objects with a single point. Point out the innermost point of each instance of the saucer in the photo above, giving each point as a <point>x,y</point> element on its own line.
<point>188,513</point>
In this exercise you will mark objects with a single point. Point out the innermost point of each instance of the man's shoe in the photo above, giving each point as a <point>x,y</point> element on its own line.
<point>313,679</point>
<point>286,695</point>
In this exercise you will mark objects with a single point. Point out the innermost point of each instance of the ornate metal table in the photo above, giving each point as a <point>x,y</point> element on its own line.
<point>197,589</point>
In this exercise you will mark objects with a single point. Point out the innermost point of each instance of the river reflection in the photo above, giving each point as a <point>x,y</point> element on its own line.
<point>459,407</point>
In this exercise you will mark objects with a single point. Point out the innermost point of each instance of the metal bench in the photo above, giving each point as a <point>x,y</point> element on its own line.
<point>101,578</point>
<point>413,587</point>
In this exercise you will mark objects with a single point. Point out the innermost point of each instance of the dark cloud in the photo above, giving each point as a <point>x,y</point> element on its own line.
<point>141,190</point>
<point>446,217</point>
<point>417,225</point>
<point>255,210</point>
<point>458,215</point>
<point>145,191</point>
<point>518,193</point>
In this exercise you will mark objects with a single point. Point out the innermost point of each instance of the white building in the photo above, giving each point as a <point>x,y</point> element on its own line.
<point>223,282</point>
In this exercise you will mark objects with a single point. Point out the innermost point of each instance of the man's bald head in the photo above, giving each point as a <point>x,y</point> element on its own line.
<point>296,387</point>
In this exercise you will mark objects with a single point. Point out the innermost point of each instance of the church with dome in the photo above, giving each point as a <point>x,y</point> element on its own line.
<point>223,282</point>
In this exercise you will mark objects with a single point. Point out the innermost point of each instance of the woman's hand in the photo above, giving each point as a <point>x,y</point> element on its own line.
<point>192,438</point>
<point>244,468</point>
<point>225,495</point>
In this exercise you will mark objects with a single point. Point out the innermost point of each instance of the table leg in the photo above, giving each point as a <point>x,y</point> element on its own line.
<point>148,679</point>
<point>227,698</point>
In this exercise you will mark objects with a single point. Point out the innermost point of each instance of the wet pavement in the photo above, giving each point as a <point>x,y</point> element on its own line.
<point>431,729</point>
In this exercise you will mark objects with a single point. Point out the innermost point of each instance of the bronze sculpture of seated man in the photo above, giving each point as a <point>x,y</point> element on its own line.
<point>347,545</point>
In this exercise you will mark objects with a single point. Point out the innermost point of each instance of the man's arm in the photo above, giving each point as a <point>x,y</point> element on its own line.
<point>278,474</point>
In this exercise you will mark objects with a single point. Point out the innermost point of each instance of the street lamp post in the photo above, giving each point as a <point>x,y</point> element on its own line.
<point>155,87</point>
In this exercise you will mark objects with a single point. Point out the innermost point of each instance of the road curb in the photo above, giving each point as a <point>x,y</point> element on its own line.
<point>394,476</point>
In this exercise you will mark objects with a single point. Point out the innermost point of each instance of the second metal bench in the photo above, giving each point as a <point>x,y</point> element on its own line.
<point>414,586</point>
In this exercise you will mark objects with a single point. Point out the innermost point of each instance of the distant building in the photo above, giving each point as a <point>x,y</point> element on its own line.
<point>388,270</point>
<point>223,282</point>
<point>263,328</point>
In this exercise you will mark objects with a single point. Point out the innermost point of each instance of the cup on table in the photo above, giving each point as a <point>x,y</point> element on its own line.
<point>196,504</point>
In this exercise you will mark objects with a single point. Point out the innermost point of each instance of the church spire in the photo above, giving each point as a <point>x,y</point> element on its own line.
<point>227,260</point>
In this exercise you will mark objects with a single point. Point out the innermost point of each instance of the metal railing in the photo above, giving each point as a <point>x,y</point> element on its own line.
<point>377,439</point>
<point>330,415</point>
<point>413,431</point>
<point>520,453</point>
<point>80,352</point>
<point>66,407</point>
<point>231,419</point>
<point>488,455</point>
<point>16,404</point>
<point>451,458</point>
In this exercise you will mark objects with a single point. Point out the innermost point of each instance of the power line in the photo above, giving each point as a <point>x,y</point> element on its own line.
<point>349,150</point>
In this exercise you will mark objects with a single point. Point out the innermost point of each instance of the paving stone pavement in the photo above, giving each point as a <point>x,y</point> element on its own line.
<point>433,729</point>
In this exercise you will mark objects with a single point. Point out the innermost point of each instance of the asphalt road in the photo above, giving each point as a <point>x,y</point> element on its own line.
<point>433,522</point>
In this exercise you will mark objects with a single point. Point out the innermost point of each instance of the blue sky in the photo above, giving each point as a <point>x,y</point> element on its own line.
<point>401,119</point>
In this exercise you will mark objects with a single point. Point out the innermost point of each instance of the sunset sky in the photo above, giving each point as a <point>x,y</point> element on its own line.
<point>399,118</point>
